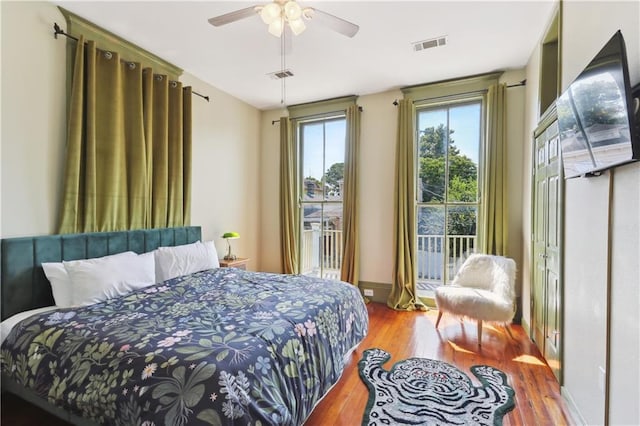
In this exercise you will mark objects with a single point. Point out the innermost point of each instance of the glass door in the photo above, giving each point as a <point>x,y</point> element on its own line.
<point>322,151</point>
<point>448,154</point>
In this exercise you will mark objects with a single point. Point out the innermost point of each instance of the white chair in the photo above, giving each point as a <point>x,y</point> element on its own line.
<point>483,289</point>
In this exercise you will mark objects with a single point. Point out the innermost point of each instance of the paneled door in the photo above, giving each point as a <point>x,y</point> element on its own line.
<point>546,300</point>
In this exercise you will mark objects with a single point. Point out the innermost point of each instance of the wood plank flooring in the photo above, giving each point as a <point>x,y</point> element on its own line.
<point>413,334</point>
<point>405,335</point>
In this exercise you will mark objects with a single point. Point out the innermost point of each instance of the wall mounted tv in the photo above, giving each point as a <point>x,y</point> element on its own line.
<point>596,115</point>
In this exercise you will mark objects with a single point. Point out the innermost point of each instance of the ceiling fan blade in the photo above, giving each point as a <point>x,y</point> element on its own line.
<point>230,17</point>
<point>346,28</point>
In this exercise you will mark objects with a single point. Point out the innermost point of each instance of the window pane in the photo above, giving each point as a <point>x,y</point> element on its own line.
<point>310,236</point>
<point>322,156</point>
<point>461,235</point>
<point>432,143</point>
<point>312,136</point>
<point>335,133</point>
<point>321,240</point>
<point>464,152</point>
<point>332,240</point>
<point>430,248</point>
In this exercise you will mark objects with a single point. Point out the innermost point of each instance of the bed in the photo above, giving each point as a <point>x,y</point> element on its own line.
<point>217,346</point>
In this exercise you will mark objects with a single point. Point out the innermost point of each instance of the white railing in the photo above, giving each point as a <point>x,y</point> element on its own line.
<point>324,247</point>
<point>306,252</point>
<point>321,247</point>
<point>439,258</point>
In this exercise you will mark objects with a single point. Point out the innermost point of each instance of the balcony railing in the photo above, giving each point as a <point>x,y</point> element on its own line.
<point>438,258</point>
<point>321,248</point>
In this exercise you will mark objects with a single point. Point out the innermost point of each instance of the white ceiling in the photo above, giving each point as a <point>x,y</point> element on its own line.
<point>483,36</point>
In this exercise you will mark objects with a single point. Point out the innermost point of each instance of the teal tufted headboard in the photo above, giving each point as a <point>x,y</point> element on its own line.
<point>23,285</point>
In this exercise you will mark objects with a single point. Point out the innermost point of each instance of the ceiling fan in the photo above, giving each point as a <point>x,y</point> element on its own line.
<point>279,13</point>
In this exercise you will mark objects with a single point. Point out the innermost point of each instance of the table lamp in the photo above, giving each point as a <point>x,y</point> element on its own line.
<point>230,236</point>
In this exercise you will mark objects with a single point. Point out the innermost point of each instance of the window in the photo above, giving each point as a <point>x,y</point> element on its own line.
<point>449,141</point>
<point>322,156</point>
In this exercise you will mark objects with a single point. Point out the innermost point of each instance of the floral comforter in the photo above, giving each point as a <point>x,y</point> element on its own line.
<point>222,346</point>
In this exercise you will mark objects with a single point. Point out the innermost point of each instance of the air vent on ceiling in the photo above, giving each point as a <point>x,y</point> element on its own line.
<point>277,75</point>
<point>428,44</point>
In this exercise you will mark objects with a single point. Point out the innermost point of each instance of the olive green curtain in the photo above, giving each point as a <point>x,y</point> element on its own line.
<point>289,230</point>
<point>403,288</point>
<point>350,268</point>
<point>128,151</point>
<point>493,217</point>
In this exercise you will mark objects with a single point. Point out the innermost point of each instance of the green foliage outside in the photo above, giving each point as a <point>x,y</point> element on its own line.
<point>332,178</point>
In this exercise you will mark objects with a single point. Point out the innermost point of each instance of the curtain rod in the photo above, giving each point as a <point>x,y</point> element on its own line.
<point>57,30</point>
<point>521,83</point>
<point>273,122</point>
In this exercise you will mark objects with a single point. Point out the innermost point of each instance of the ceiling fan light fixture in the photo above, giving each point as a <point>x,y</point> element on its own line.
<point>276,26</point>
<point>307,13</point>
<point>279,13</point>
<point>292,10</point>
<point>297,26</point>
<point>271,12</point>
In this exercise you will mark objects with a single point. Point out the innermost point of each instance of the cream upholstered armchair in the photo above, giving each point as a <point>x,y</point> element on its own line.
<point>483,289</point>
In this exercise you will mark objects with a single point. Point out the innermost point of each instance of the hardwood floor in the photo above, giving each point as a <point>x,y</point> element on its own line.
<point>406,335</point>
<point>413,334</point>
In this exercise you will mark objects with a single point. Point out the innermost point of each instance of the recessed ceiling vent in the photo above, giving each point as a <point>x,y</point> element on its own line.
<point>277,75</point>
<point>428,44</point>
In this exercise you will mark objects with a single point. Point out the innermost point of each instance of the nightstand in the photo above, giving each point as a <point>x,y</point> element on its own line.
<point>240,263</point>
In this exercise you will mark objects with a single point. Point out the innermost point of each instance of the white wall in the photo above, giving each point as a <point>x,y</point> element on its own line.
<point>601,220</point>
<point>587,26</point>
<point>624,370</point>
<point>225,139</point>
<point>585,293</point>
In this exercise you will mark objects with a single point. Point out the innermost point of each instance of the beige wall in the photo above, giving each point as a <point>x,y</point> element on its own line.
<point>33,123</point>
<point>531,122</point>
<point>225,139</point>
<point>516,145</point>
<point>270,258</point>
<point>376,168</point>
<point>601,220</point>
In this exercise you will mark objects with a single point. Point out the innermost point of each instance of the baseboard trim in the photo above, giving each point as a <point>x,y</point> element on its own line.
<point>381,291</point>
<point>526,327</point>
<point>576,417</point>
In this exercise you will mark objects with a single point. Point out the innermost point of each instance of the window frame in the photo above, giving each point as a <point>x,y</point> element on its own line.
<point>299,141</point>
<point>449,102</point>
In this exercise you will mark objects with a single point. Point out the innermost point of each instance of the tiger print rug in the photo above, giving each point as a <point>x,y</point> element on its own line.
<point>421,391</point>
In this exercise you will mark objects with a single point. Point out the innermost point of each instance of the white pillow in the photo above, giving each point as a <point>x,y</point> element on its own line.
<point>95,280</point>
<point>60,283</point>
<point>58,277</point>
<point>176,261</point>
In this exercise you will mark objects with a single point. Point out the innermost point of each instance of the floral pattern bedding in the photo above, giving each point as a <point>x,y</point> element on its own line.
<point>222,346</point>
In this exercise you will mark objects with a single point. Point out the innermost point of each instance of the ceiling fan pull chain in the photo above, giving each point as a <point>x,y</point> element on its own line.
<point>283,67</point>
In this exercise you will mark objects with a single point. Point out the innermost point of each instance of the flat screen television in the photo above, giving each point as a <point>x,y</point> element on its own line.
<point>596,115</point>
